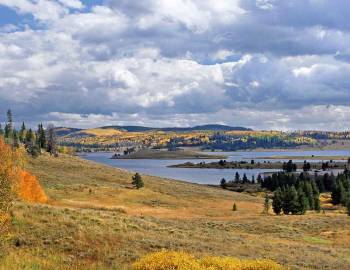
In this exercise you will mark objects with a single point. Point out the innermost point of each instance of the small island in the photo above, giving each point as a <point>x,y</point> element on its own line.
<point>166,154</point>
<point>223,164</point>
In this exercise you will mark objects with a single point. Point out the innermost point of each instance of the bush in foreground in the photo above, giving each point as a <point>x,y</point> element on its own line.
<point>167,260</point>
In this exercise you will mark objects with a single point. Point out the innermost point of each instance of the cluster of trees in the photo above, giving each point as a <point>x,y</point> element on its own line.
<point>238,180</point>
<point>324,182</point>
<point>238,142</point>
<point>296,193</point>
<point>293,194</point>
<point>289,166</point>
<point>296,199</point>
<point>32,140</point>
<point>341,190</point>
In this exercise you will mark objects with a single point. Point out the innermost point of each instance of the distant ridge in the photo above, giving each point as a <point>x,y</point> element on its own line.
<point>211,127</point>
<point>62,131</point>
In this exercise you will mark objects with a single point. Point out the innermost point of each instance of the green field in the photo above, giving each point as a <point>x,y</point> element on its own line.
<point>95,220</point>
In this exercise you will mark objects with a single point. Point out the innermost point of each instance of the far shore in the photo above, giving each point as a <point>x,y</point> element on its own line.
<point>256,165</point>
<point>312,157</point>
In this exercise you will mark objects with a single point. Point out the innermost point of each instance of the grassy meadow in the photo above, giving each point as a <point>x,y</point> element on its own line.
<point>95,220</point>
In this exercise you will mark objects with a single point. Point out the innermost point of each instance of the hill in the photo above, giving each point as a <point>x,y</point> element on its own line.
<point>62,131</point>
<point>95,220</point>
<point>139,137</point>
<point>213,127</point>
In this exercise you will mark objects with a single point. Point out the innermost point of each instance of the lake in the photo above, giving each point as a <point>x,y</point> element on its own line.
<point>203,176</point>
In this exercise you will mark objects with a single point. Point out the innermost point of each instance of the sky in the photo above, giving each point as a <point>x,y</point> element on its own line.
<point>263,64</point>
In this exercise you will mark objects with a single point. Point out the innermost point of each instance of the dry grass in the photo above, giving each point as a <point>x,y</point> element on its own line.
<point>100,132</point>
<point>95,221</point>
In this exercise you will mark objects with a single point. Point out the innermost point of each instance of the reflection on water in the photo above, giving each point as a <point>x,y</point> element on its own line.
<point>202,176</point>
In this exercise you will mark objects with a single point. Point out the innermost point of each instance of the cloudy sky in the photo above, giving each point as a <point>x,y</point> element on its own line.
<point>264,64</point>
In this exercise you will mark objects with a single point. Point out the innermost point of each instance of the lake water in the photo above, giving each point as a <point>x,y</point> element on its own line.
<point>203,176</point>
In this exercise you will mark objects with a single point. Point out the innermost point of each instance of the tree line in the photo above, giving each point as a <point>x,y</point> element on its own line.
<point>297,193</point>
<point>33,140</point>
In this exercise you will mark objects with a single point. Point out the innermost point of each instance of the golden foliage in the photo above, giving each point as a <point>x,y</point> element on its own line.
<point>66,150</point>
<point>168,260</point>
<point>28,188</point>
<point>10,168</point>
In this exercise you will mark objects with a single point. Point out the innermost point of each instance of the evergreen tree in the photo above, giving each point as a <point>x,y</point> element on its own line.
<point>237,177</point>
<point>253,179</point>
<point>9,128</point>
<point>290,201</point>
<point>267,204</point>
<point>317,204</point>
<point>9,125</point>
<point>22,133</point>
<point>137,181</point>
<point>234,207</point>
<point>2,132</point>
<point>223,183</point>
<point>320,184</point>
<point>289,166</point>
<point>41,136</point>
<point>348,207</point>
<point>245,179</point>
<point>277,202</point>
<point>16,141</point>
<point>259,179</point>
<point>305,166</point>
<point>338,193</point>
<point>30,138</point>
<point>303,202</point>
<point>308,193</point>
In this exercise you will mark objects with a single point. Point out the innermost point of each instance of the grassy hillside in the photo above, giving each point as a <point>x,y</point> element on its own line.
<point>94,220</point>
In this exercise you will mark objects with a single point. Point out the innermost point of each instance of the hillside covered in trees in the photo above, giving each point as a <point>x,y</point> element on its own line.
<point>207,137</point>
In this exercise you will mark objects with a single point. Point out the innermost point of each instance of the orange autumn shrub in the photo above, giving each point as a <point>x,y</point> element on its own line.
<point>172,260</point>
<point>11,162</point>
<point>28,188</point>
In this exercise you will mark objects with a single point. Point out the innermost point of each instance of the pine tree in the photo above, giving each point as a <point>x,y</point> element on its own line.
<point>338,193</point>
<point>303,202</point>
<point>223,183</point>
<point>267,205</point>
<point>308,193</point>
<point>259,179</point>
<point>317,203</point>
<point>234,207</point>
<point>137,181</point>
<point>320,184</point>
<point>348,207</point>
<point>2,132</point>
<point>41,136</point>
<point>237,177</point>
<point>16,141</point>
<point>22,133</point>
<point>290,201</point>
<point>277,202</point>
<point>245,179</point>
<point>29,139</point>
<point>9,128</point>
<point>30,143</point>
